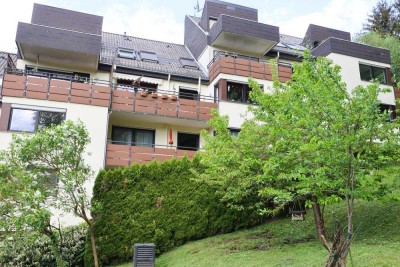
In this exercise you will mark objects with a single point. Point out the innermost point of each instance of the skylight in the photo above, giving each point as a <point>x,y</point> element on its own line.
<point>148,56</point>
<point>126,53</point>
<point>188,63</point>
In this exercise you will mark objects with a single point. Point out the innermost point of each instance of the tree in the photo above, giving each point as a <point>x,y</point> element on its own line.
<point>309,140</point>
<point>41,173</point>
<point>389,42</point>
<point>384,19</point>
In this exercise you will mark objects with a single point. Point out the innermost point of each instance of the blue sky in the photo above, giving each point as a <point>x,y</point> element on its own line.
<point>163,20</point>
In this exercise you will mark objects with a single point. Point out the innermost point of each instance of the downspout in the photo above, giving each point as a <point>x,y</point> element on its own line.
<point>106,143</point>
<point>169,81</point>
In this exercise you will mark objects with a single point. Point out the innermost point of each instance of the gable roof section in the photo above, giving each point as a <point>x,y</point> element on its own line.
<point>168,55</point>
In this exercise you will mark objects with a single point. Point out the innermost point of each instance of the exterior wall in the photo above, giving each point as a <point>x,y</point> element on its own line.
<point>161,130</point>
<point>351,74</point>
<point>94,118</point>
<point>237,112</point>
<point>206,57</point>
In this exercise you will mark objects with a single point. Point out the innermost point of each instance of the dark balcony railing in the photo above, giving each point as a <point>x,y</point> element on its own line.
<point>41,85</point>
<point>164,103</point>
<point>241,65</point>
<point>122,154</point>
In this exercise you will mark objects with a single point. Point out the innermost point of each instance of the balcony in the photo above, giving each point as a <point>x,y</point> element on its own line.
<point>247,67</point>
<point>247,36</point>
<point>163,103</point>
<point>126,155</point>
<point>35,85</point>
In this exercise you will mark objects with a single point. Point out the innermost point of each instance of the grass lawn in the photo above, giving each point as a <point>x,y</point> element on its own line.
<point>286,243</point>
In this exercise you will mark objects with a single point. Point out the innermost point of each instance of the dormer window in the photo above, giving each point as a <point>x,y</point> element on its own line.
<point>126,53</point>
<point>148,56</point>
<point>188,63</point>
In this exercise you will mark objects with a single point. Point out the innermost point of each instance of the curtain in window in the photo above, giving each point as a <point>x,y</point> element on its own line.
<point>122,136</point>
<point>143,138</point>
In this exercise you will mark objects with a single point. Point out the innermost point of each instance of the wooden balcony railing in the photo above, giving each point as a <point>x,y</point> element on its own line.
<point>19,83</point>
<point>126,155</point>
<point>247,67</point>
<point>163,103</point>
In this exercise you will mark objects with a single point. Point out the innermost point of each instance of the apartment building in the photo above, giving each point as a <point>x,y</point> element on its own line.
<point>144,100</point>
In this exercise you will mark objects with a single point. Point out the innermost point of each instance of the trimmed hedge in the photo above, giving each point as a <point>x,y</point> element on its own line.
<point>158,203</point>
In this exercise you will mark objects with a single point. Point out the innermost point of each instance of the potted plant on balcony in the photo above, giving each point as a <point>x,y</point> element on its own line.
<point>143,93</point>
<point>154,94</point>
<point>164,96</point>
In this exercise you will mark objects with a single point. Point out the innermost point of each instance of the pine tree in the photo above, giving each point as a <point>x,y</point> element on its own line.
<point>384,19</point>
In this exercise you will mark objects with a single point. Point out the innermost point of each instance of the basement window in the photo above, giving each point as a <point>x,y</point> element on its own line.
<point>29,120</point>
<point>126,53</point>
<point>372,73</point>
<point>148,56</point>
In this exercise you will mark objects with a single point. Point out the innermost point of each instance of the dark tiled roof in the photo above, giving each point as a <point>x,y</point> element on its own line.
<point>168,55</point>
<point>4,58</point>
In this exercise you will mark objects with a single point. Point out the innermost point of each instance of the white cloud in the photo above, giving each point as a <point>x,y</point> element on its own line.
<point>144,22</point>
<point>13,12</point>
<point>338,14</point>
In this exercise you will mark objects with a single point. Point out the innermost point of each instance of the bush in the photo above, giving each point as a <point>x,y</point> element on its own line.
<point>29,250</point>
<point>158,203</point>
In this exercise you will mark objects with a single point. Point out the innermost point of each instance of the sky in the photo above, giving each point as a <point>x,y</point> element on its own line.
<point>164,20</point>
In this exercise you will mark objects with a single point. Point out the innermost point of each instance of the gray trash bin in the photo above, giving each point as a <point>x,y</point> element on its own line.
<point>144,255</point>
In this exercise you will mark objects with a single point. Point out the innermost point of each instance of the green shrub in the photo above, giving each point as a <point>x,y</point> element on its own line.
<point>158,203</point>
<point>28,250</point>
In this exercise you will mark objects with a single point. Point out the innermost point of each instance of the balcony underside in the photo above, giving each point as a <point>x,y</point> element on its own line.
<point>243,44</point>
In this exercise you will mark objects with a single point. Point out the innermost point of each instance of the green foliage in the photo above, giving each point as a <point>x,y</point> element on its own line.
<point>389,42</point>
<point>308,137</point>
<point>158,203</point>
<point>28,249</point>
<point>384,19</point>
<point>43,172</point>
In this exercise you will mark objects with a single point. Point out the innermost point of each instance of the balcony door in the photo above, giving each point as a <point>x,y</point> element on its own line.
<point>133,136</point>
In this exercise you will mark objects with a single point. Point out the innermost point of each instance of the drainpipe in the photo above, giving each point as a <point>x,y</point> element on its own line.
<point>106,138</point>
<point>169,81</point>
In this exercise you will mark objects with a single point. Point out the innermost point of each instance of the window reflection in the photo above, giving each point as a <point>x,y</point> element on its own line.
<point>23,120</point>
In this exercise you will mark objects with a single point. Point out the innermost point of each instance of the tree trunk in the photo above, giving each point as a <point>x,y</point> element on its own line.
<point>93,243</point>
<point>319,223</point>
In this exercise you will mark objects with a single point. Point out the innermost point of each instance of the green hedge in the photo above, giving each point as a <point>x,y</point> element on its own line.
<point>27,249</point>
<point>158,203</point>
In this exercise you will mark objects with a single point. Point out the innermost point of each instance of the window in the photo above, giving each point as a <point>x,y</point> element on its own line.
<point>187,93</point>
<point>126,53</point>
<point>28,120</point>
<point>133,136</point>
<point>238,92</point>
<point>188,141</point>
<point>371,73</point>
<point>388,109</point>
<point>148,56</point>
<point>188,63</point>
<point>234,132</point>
